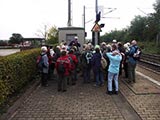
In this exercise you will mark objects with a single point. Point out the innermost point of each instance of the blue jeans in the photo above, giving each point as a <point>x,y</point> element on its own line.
<point>111,77</point>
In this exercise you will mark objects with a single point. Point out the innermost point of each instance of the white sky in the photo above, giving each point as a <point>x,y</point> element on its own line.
<point>28,16</point>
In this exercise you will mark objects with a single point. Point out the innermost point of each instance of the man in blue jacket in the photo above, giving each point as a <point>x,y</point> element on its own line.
<point>113,70</point>
<point>132,61</point>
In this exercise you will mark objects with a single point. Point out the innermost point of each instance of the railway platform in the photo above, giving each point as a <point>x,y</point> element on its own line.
<point>139,101</point>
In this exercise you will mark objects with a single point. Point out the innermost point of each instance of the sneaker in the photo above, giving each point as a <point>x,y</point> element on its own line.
<point>73,83</point>
<point>95,85</point>
<point>116,92</point>
<point>64,90</point>
<point>102,84</point>
<point>109,92</point>
<point>59,90</point>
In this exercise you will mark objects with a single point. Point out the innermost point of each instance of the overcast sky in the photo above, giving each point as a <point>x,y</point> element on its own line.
<point>28,16</point>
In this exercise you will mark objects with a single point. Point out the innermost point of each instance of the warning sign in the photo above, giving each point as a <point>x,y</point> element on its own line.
<point>96,28</point>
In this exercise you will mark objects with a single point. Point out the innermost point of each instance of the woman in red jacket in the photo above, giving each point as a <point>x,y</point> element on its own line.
<point>63,63</point>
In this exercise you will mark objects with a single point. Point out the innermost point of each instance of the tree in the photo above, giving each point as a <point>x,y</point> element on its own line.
<point>42,32</point>
<point>16,38</point>
<point>120,35</point>
<point>52,35</point>
<point>49,33</point>
<point>156,17</point>
<point>3,42</point>
<point>137,28</point>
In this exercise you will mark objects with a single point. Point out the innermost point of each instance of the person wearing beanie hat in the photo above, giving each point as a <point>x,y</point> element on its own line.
<point>97,47</point>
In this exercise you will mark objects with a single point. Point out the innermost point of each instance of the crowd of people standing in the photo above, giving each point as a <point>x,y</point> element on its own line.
<point>67,60</point>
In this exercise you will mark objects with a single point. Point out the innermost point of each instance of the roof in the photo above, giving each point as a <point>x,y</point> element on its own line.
<point>30,39</point>
<point>71,28</point>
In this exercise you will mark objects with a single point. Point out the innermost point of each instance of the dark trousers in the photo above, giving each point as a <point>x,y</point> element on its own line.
<point>44,79</point>
<point>131,72</point>
<point>62,82</point>
<point>87,75</point>
<point>126,70</point>
<point>72,79</point>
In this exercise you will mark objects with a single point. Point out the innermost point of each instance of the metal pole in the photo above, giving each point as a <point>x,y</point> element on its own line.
<point>84,17</point>
<point>69,13</point>
<point>96,33</point>
<point>84,20</point>
<point>96,7</point>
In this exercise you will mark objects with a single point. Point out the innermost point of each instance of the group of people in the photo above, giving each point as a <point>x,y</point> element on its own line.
<point>66,60</point>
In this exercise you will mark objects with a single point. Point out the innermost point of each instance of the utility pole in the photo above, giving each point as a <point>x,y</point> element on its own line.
<point>69,13</point>
<point>96,7</point>
<point>84,20</point>
<point>96,34</point>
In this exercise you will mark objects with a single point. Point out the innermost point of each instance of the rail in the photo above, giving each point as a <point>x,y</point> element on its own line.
<point>150,61</point>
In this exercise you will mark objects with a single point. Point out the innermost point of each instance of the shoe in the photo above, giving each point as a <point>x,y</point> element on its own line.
<point>73,83</point>
<point>64,90</point>
<point>116,92</point>
<point>95,85</point>
<point>102,84</point>
<point>109,92</point>
<point>59,90</point>
<point>44,85</point>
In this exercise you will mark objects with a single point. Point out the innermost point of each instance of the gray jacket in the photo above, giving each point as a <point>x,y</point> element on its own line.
<point>46,63</point>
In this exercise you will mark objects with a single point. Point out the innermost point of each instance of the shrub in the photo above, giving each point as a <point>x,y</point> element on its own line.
<point>15,71</point>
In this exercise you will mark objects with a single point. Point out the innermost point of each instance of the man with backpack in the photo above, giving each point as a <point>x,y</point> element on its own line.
<point>133,55</point>
<point>63,68</point>
<point>43,66</point>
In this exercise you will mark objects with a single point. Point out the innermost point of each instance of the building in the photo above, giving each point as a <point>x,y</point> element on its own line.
<point>68,33</point>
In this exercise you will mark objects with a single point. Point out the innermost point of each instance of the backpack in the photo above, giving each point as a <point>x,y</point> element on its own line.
<point>72,62</point>
<point>89,57</point>
<point>61,68</point>
<point>40,63</point>
<point>103,63</point>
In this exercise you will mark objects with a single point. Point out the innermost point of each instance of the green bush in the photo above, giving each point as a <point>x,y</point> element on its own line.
<point>15,71</point>
<point>149,47</point>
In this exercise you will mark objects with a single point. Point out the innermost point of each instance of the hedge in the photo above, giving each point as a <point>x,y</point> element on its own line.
<point>15,71</point>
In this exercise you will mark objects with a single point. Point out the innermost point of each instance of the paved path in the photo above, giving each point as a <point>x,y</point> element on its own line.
<point>5,52</point>
<point>86,102</point>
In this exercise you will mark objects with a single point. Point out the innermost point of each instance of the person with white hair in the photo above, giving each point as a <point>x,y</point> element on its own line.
<point>132,61</point>
<point>125,62</point>
<point>97,67</point>
<point>114,41</point>
<point>45,66</point>
<point>75,43</point>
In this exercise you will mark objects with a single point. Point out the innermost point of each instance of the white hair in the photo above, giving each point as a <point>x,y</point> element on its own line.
<point>44,49</point>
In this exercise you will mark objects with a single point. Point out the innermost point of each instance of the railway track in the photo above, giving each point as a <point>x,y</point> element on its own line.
<point>150,61</point>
